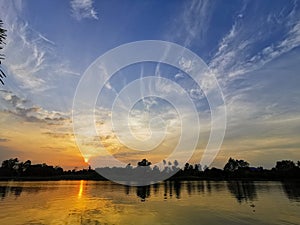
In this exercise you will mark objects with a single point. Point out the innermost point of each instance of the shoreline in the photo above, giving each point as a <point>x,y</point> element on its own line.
<point>79,178</point>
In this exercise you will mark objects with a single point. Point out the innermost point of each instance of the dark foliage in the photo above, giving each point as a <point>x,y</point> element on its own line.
<point>233,170</point>
<point>144,162</point>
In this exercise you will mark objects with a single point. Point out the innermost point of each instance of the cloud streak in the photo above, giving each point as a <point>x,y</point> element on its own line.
<point>239,51</point>
<point>252,59</point>
<point>193,23</point>
<point>32,61</point>
<point>83,9</point>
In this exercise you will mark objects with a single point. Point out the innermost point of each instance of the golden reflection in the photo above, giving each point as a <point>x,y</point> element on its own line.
<point>80,188</point>
<point>103,202</point>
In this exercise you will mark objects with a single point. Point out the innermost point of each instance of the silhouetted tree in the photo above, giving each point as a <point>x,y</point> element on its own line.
<point>59,171</point>
<point>214,172</point>
<point>285,165</point>
<point>164,162</point>
<point>2,42</point>
<point>198,167</point>
<point>144,162</point>
<point>156,169</point>
<point>26,165</point>
<point>128,166</point>
<point>233,165</point>
<point>186,167</point>
<point>10,163</point>
<point>176,163</point>
<point>175,166</point>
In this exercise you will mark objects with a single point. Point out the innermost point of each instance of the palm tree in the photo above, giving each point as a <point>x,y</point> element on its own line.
<point>2,39</point>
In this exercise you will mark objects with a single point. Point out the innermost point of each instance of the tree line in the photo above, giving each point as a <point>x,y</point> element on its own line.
<point>233,169</point>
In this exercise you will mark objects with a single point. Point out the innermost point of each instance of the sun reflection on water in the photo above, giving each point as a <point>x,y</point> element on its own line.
<point>80,188</point>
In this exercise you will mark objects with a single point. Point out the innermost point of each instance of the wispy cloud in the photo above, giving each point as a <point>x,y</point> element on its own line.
<point>193,23</point>
<point>34,64</point>
<point>83,9</point>
<point>23,42</point>
<point>245,54</point>
<point>32,60</point>
<point>249,45</point>
<point>250,42</point>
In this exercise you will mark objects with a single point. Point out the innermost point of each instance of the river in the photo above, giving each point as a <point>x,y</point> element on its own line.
<point>189,202</point>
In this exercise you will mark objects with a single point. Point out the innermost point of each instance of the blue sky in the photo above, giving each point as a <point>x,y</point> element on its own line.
<point>252,47</point>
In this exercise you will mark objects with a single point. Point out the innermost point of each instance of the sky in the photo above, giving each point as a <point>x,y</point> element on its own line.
<point>251,47</point>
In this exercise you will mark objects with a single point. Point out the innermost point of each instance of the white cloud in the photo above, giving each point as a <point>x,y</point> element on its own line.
<point>260,94</point>
<point>238,52</point>
<point>195,19</point>
<point>249,44</point>
<point>179,76</point>
<point>31,60</point>
<point>24,109</point>
<point>83,9</point>
<point>196,93</point>
<point>33,63</point>
<point>26,52</point>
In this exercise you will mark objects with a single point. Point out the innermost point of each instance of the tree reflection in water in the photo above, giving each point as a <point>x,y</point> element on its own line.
<point>16,191</point>
<point>143,192</point>
<point>6,190</point>
<point>292,190</point>
<point>177,188</point>
<point>243,191</point>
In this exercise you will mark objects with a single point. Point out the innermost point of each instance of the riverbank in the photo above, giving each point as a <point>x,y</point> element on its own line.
<point>100,178</point>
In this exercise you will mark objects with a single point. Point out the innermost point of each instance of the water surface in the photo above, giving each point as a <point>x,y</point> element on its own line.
<point>102,202</point>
